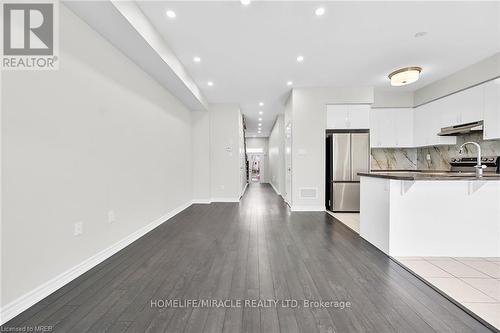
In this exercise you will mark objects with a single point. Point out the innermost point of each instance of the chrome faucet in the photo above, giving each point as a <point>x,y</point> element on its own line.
<point>479,167</point>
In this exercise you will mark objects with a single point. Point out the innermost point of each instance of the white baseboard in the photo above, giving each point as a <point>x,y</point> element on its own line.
<point>244,189</point>
<point>274,188</point>
<point>22,303</point>
<point>202,201</point>
<point>308,209</point>
<point>225,199</point>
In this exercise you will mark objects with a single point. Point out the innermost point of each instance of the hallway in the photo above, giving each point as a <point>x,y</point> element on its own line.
<point>256,249</point>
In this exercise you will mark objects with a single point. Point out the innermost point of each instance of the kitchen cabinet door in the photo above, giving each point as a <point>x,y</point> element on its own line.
<point>465,106</point>
<point>428,122</point>
<point>491,112</point>
<point>359,116</point>
<point>420,132</point>
<point>404,127</point>
<point>375,130</point>
<point>348,116</point>
<point>391,127</point>
<point>337,117</point>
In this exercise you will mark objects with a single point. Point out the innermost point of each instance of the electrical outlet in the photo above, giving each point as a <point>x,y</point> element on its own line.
<point>111,216</point>
<point>428,157</point>
<point>78,228</point>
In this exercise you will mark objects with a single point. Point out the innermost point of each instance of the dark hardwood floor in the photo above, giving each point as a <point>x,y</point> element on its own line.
<point>256,249</point>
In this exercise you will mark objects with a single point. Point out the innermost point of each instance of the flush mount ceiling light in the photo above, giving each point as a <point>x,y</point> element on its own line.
<point>261,103</point>
<point>171,14</point>
<point>319,11</point>
<point>245,2</point>
<point>260,124</point>
<point>210,83</point>
<point>196,59</point>
<point>260,119</point>
<point>260,112</point>
<point>300,58</point>
<point>289,83</point>
<point>404,76</point>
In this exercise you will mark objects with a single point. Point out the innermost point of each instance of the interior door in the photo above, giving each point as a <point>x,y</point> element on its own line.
<point>360,154</point>
<point>288,164</point>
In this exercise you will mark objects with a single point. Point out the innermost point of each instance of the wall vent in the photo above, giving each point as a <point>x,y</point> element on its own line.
<point>308,192</point>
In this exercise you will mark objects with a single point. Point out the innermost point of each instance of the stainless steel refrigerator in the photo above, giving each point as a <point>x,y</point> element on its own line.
<point>347,154</point>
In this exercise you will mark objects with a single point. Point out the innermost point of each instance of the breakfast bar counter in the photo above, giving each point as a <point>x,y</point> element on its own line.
<point>413,214</point>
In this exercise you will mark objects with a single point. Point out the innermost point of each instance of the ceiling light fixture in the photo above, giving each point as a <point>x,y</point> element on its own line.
<point>171,14</point>
<point>404,76</point>
<point>300,58</point>
<point>196,59</point>
<point>289,83</point>
<point>245,2</point>
<point>210,83</point>
<point>319,11</point>
<point>260,124</point>
<point>261,103</point>
<point>260,119</point>
<point>260,112</point>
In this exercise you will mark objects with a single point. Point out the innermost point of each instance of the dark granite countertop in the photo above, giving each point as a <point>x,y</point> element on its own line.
<point>429,175</point>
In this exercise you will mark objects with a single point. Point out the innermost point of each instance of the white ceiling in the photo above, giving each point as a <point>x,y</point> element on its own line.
<point>250,52</point>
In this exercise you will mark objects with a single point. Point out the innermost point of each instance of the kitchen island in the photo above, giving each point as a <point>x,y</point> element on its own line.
<point>431,213</point>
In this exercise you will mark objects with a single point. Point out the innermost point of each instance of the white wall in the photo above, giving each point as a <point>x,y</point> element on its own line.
<point>393,99</point>
<point>201,156</point>
<point>96,135</point>
<point>474,74</point>
<point>225,160</point>
<point>308,138</point>
<point>261,143</point>
<point>276,155</point>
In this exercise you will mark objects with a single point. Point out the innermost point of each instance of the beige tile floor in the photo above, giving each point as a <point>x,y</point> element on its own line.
<point>349,219</point>
<point>474,282</point>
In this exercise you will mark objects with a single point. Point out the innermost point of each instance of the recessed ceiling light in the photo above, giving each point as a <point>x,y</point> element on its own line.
<point>261,104</point>
<point>289,83</point>
<point>245,2</point>
<point>260,112</point>
<point>404,76</point>
<point>260,119</point>
<point>210,83</point>
<point>319,11</point>
<point>196,59</point>
<point>300,58</point>
<point>171,14</point>
<point>260,124</point>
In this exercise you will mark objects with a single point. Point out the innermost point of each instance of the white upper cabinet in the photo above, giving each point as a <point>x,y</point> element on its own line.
<point>491,111</point>
<point>391,127</point>
<point>463,107</point>
<point>348,116</point>
<point>428,121</point>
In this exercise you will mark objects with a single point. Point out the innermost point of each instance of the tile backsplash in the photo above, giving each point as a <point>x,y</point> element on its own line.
<point>394,159</point>
<point>416,158</point>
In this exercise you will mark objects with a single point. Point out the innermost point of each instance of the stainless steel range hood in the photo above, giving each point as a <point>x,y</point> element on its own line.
<point>476,126</point>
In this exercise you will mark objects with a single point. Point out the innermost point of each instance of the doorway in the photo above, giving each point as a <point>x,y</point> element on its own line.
<point>257,168</point>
